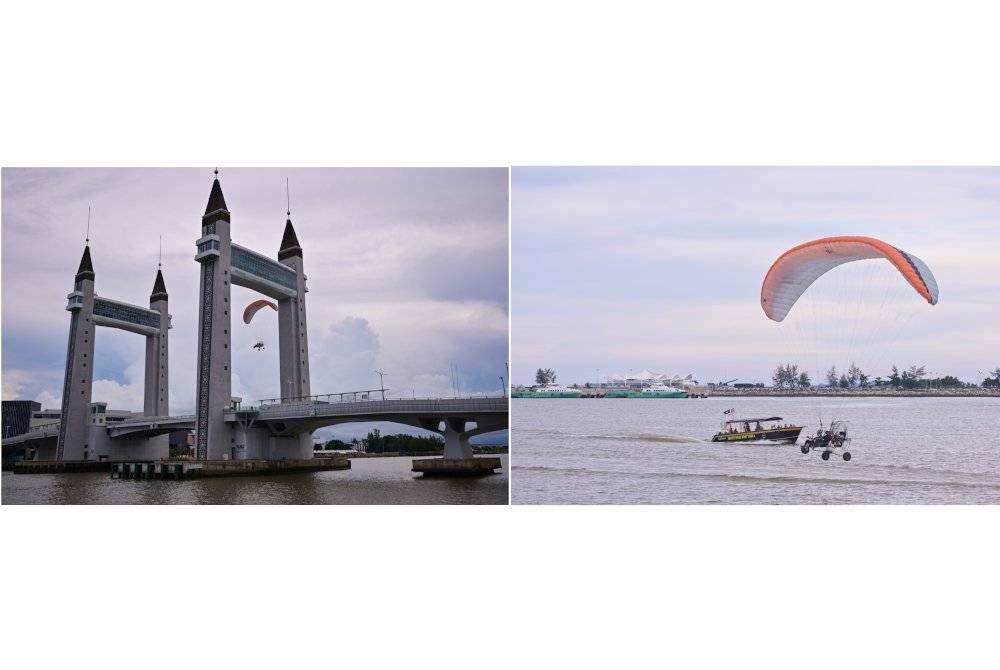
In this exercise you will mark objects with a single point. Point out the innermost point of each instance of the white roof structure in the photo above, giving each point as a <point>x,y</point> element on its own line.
<point>648,376</point>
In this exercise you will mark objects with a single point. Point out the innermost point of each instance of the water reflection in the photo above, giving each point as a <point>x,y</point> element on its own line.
<point>370,481</point>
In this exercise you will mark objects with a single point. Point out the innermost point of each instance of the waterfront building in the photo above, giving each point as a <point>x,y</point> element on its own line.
<point>17,416</point>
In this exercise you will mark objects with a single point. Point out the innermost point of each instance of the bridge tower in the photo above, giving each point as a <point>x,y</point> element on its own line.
<point>214,391</point>
<point>74,427</point>
<point>224,264</point>
<point>156,401</point>
<point>292,334</point>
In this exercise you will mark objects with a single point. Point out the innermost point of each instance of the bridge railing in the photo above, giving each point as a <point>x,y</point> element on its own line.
<point>369,395</point>
<point>388,406</point>
<point>345,396</point>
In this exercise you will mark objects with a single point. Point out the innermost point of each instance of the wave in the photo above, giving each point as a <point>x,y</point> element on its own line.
<point>781,479</point>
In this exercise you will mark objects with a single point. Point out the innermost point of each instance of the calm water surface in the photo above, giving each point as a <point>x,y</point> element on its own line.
<point>905,451</point>
<point>370,481</point>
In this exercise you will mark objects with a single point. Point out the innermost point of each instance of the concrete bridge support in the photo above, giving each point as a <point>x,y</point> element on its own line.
<point>458,458</point>
<point>259,442</point>
<point>456,439</point>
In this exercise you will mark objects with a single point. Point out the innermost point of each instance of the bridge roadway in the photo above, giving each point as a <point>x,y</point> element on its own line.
<point>448,417</point>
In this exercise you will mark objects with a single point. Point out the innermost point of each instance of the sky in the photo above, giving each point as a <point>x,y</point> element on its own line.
<point>407,272</point>
<point>660,268</point>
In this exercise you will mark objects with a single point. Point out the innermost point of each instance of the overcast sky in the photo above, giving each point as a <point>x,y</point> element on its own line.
<point>660,268</point>
<point>407,271</point>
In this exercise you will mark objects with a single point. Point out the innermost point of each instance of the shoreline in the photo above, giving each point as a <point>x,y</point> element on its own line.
<point>833,393</point>
<point>859,393</point>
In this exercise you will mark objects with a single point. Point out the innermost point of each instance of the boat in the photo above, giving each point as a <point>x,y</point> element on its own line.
<point>616,393</point>
<point>658,390</point>
<point>547,391</point>
<point>756,430</point>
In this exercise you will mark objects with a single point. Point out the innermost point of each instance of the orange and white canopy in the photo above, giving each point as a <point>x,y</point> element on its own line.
<point>255,307</point>
<point>796,269</point>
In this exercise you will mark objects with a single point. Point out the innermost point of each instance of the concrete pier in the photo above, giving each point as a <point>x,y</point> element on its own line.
<point>183,469</point>
<point>224,468</point>
<point>457,467</point>
<point>57,467</point>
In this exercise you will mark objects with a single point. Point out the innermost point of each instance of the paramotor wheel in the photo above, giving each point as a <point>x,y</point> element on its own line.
<point>804,448</point>
<point>826,455</point>
<point>847,455</point>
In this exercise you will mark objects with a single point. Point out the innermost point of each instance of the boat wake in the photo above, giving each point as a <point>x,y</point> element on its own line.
<point>640,437</point>
<point>621,437</point>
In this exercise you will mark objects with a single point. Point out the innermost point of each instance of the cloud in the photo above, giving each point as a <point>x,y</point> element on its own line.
<point>346,357</point>
<point>407,270</point>
<point>660,268</point>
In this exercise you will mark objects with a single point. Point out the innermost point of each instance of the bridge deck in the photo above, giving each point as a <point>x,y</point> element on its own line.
<point>313,409</point>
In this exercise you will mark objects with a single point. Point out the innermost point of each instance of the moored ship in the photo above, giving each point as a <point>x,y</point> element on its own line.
<point>547,391</point>
<point>658,390</point>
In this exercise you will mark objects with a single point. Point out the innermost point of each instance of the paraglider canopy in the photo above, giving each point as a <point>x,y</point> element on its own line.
<point>797,269</point>
<point>256,306</point>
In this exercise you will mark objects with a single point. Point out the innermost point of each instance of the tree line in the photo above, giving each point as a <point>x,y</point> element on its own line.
<point>545,376</point>
<point>377,443</point>
<point>788,376</point>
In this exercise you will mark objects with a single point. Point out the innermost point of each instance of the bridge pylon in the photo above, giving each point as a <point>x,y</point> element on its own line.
<point>223,265</point>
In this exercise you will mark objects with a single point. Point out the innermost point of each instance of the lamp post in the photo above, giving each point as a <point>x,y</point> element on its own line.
<point>381,373</point>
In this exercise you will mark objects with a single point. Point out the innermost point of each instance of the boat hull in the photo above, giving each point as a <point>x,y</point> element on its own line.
<point>529,394</point>
<point>660,394</point>
<point>789,435</point>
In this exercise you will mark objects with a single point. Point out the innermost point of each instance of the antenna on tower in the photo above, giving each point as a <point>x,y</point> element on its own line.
<point>288,199</point>
<point>159,263</point>
<point>88,224</point>
<point>216,173</point>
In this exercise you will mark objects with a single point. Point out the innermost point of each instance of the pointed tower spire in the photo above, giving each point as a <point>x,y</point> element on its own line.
<point>216,208</point>
<point>159,288</point>
<point>86,269</point>
<point>289,243</point>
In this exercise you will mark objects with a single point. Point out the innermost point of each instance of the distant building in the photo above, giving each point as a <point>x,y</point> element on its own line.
<point>17,416</point>
<point>99,412</point>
